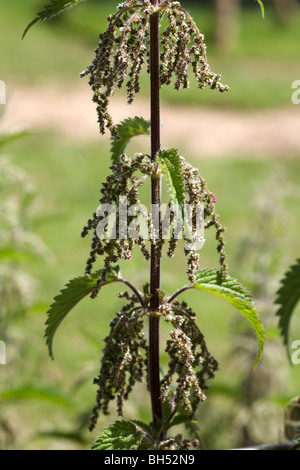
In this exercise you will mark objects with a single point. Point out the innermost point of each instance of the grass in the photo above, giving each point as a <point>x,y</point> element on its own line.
<point>67,177</point>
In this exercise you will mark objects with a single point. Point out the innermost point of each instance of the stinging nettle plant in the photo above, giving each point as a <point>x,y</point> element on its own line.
<point>132,39</point>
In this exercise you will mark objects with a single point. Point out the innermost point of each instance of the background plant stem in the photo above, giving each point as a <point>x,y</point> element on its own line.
<point>154,363</point>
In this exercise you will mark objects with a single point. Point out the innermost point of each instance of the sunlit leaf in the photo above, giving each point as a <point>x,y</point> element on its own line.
<point>12,136</point>
<point>140,424</point>
<point>74,292</point>
<point>262,8</point>
<point>288,297</point>
<point>209,280</point>
<point>127,129</point>
<point>51,10</point>
<point>171,165</point>
<point>121,435</point>
<point>14,254</point>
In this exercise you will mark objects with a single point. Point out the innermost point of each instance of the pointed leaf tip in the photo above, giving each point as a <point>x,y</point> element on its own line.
<point>262,8</point>
<point>74,291</point>
<point>127,129</point>
<point>287,297</point>
<point>52,9</point>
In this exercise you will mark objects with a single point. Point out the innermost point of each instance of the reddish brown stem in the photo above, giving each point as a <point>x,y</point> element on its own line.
<point>154,363</point>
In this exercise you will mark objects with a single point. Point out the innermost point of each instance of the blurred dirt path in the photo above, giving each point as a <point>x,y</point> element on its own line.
<point>203,132</point>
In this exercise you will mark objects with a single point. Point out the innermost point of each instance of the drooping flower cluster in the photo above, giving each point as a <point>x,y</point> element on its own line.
<point>118,244</point>
<point>120,53</point>
<point>124,48</point>
<point>190,359</point>
<point>124,358</point>
<point>183,46</point>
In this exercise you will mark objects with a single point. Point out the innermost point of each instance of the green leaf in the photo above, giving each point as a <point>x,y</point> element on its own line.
<point>288,297</point>
<point>171,165</point>
<point>181,418</point>
<point>16,255</point>
<point>76,437</point>
<point>262,8</point>
<point>37,394</point>
<point>52,9</point>
<point>74,291</point>
<point>12,136</point>
<point>140,424</point>
<point>127,129</point>
<point>121,435</point>
<point>209,280</point>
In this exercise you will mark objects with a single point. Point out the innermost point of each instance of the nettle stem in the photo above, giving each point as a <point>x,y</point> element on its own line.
<point>154,363</point>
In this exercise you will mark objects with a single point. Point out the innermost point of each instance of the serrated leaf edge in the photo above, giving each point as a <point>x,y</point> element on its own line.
<point>41,16</point>
<point>239,298</point>
<point>64,302</point>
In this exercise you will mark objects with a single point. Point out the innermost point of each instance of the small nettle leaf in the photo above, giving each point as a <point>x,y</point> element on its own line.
<point>74,292</point>
<point>288,297</point>
<point>127,129</point>
<point>209,280</point>
<point>51,10</point>
<point>121,435</point>
<point>170,163</point>
<point>262,8</point>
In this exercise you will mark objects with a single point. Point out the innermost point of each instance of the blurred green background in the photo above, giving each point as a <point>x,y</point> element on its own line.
<point>49,185</point>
